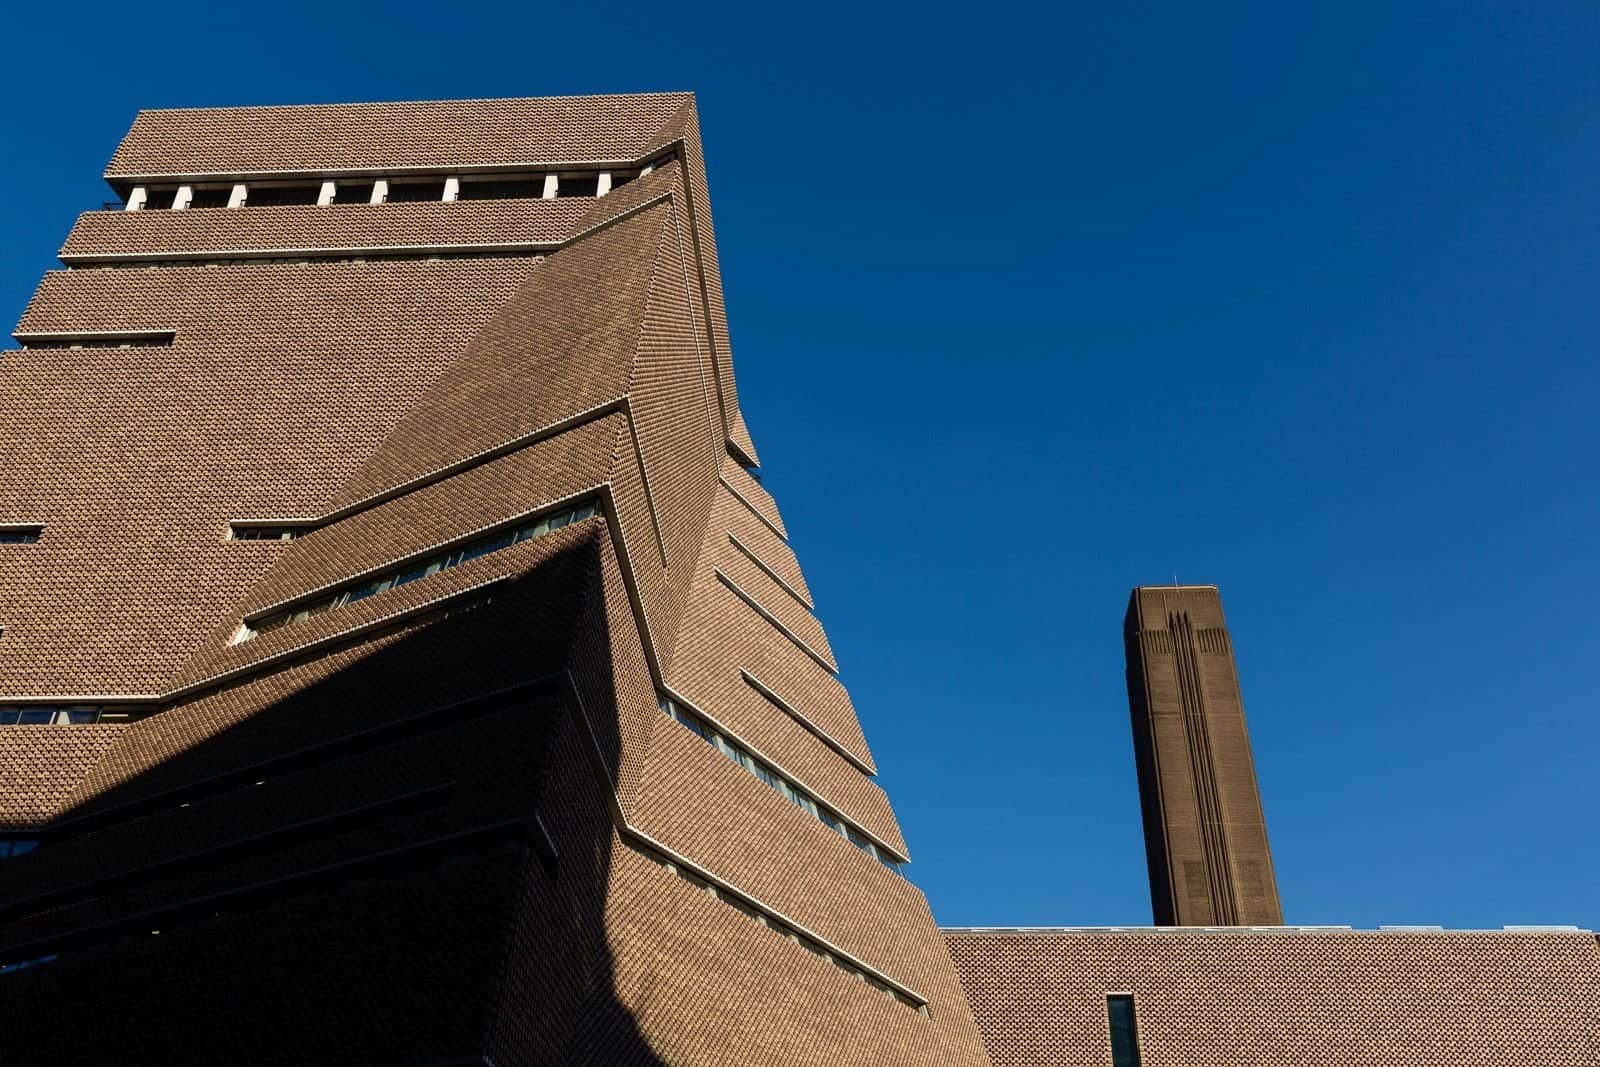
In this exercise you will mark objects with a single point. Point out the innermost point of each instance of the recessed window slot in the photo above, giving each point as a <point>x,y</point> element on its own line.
<point>268,531</point>
<point>97,339</point>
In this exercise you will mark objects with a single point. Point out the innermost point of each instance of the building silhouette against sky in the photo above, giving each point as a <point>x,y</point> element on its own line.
<point>1205,834</point>
<point>401,662</point>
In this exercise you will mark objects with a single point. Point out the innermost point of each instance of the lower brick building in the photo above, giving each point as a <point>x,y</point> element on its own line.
<point>1282,996</point>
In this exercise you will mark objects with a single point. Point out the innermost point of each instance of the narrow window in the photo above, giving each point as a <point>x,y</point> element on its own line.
<point>415,192</point>
<point>282,195</point>
<point>159,199</point>
<point>10,847</point>
<point>20,535</point>
<point>353,193</point>
<point>1124,1033</point>
<point>250,531</point>
<point>215,197</point>
<point>578,185</point>
<point>531,188</point>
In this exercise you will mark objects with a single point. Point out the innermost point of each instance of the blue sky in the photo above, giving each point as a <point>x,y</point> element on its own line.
<point>1030,305</point>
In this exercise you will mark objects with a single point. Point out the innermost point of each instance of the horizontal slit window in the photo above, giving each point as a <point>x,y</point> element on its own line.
<point>578,185</point>
<point>376,256</point>
<point>20,534</point>
<point>99,339</point>
<point>751,910</point>
<point>785,788</point>
<point>531,188</point>
<point>415,192</point>
<point>49,714</point>
<point>281,195</point>
<point>217,197</point>
<point>417,569</point>
<point>250,531</point>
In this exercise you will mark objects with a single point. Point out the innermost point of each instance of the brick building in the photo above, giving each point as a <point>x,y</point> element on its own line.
<point>401,661</point>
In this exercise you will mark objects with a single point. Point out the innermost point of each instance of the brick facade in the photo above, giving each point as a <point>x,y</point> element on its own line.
<point>448,822</point>
<point>519,741</point>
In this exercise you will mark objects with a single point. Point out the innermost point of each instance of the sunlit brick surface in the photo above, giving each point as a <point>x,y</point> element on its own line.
<point>446,821</point>
<point>1288,999</point>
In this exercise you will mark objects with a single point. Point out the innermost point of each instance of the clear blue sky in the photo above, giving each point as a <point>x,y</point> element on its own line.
<point>1030,305</point>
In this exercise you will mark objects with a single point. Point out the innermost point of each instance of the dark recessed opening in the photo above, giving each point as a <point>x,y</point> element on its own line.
<point>282,195</point>
<point>578,185</point>
<point>415,192</point>
<point>211,197</point>
<point>503,189</point>
<point>20,535</point>
<point>159,199</point>
<point>285,531</point>
<point>353,193</point>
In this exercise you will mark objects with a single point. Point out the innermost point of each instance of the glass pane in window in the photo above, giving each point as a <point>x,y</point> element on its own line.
<point>35,716</point>
<point>411,575</point>
<point>1124,1032</point>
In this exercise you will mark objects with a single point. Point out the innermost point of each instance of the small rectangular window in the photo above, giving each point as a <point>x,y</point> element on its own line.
<point>578,185</point>
<point>415,192</point>
<point>1124,1031</point>
<point>531,188</point>
<point>281,195</point>
<point>353,193</point>
<point>242,531</point>
<point>98,339</point>
<point>217,197</point>
<point>159,199</point>
<point>20,535</point>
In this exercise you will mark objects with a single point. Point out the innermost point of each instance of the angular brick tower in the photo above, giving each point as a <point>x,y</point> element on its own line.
<point>401,661</point>
<point>1205,834</point>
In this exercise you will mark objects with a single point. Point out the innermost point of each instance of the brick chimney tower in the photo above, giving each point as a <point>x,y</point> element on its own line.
<point>1205,834</point>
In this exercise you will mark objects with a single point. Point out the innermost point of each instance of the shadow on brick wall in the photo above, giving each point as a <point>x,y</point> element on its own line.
<point>397,853</point>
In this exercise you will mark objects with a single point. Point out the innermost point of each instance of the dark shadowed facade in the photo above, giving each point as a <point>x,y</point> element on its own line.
<point>401,662</point>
